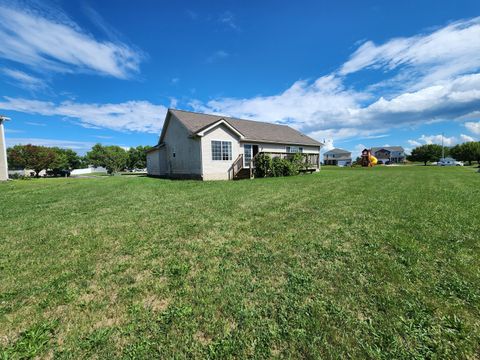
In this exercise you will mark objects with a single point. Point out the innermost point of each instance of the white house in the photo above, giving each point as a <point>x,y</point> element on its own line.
<point>213,147</point>
<point>337,157</point>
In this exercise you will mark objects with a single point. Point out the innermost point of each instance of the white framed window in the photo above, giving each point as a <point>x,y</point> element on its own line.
<point>221,150</point>
<point>294,149</point>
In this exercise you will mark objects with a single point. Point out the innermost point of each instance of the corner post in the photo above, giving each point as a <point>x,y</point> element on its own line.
<point>3,151</point>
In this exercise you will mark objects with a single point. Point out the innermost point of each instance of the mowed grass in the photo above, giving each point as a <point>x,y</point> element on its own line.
<point>346,263</point>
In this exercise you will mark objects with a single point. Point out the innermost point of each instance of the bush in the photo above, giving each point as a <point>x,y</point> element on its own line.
<point>16,176</point>
<point>263,165</point>
<point>283,167</point>
<point>267,166</point>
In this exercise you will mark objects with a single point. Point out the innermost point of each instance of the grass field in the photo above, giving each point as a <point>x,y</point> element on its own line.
<point>346,263</point>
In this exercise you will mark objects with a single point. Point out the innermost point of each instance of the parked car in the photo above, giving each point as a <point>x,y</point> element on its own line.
<point>449,162</point>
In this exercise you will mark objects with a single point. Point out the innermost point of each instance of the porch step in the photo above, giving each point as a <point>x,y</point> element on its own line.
<point>242,174</point>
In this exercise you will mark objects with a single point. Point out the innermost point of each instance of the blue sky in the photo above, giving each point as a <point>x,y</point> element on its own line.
<point>353,74</point>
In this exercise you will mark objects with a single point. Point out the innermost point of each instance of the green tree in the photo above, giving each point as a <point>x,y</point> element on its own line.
<point>67,159</point>
<point>113,158</point>
<point>468,151</point>
<point>33,157</point>
<point>426,153</point>
<point>137,157</point>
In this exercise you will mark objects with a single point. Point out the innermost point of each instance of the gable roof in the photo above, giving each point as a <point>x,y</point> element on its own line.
<point>337,151</point>
<point>255,131</point>
<point>389,148</point>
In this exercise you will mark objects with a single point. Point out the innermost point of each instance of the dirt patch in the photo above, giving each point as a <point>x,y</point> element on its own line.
<point>202,338</point>
<point>155,303</point>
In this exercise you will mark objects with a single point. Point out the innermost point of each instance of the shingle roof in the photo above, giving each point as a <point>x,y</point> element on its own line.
<point>251,130</point>
<point>337,151</point>
<point>389,148</point>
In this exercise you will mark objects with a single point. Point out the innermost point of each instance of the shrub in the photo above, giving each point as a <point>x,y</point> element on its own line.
<point>16,176</point>
<point>263,165</point>
<point>283,167</point>
<point>267,166</point>
<point>299,162</point>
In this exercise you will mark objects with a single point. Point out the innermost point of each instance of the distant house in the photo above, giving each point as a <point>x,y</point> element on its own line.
<point>393,154</point>
<point>213,147</point>
<point>337,157</point>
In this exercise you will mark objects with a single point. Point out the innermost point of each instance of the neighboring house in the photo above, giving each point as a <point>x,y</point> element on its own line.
<point>337,157</point>
<point>213,147</point>
<point>394,154</point>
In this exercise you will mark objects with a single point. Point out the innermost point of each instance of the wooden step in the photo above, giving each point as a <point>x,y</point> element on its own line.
<point>242,174</point>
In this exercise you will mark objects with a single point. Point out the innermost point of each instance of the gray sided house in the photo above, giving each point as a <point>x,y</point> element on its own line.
<point>212,147</point>
<point>393,154</point>
<point>337,157</point>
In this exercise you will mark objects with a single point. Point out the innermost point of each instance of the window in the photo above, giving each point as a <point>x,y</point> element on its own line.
<point>294,149</point>
<point>221,150</point>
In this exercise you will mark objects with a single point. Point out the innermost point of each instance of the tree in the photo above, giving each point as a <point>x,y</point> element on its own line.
<point>137,157</point>
<point>113,158</point>
<point>426,153</point>
<point>468,151</point>
<point>67,159</point>
<point>33,157</point>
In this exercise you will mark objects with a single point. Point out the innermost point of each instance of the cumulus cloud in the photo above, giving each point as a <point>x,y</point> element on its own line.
<point>52,42</point>
<point>326,108</point>
<point>437,139</point>
<point>138,116</point>
<point>473,127</point>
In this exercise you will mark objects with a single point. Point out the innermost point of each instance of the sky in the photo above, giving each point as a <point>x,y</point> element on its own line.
<point>351,74</point>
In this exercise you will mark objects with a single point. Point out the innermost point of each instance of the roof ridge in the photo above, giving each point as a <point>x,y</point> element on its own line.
<point>231,117</point>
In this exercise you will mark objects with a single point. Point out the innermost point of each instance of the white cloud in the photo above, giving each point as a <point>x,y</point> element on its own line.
<point>32,123</point>
<point>80,146</point>
<point>326,108</point>
<point>438,72</point>
<point>140,116</point>
<point>217,56</point>
<point>228,18</point>
<point>466,138</point>
<point>51,42</point>
<point>24,80</point>
<point>439,82</point>
<point>437,139</point>
<point>445,53</point>
<point>414,143</point>
<point>473,127</point>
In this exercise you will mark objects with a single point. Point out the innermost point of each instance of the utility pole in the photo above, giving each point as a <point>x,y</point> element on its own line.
<point>3,151</point>
<point>443,148</point>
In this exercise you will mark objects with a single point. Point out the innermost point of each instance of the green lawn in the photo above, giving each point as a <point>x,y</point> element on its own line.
<point>346,263</point>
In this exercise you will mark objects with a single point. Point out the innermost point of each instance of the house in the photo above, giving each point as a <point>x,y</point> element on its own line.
<point>337,157</point>
<point>393,154</point>
<point>213,147</point>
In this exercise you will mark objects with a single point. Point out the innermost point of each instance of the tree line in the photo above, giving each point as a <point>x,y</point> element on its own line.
<point>467,152</point>
<point>112,157</point>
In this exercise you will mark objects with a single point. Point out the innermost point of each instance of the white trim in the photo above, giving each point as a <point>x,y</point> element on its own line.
<point>218,123</point>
